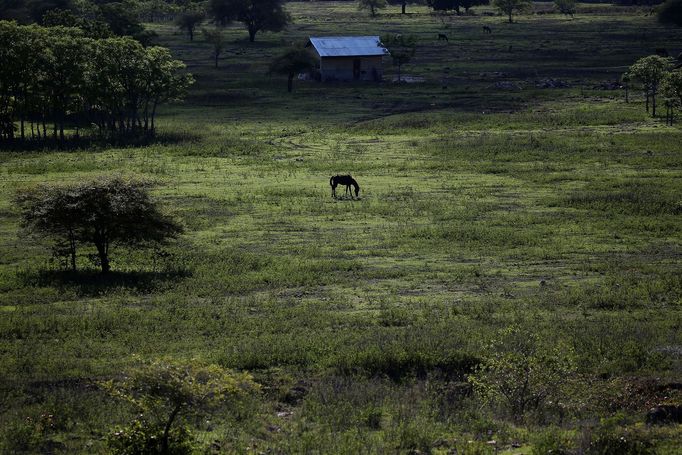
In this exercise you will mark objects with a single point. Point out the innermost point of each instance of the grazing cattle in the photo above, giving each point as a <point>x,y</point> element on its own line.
<point>346,180</point>
<point>487,29</point>
<point>442,37</point>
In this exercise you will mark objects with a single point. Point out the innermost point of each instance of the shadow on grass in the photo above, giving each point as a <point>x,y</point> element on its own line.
<point>90,142</point>
<point>92,283</point>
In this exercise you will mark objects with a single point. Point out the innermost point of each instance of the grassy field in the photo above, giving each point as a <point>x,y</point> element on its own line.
<point>487,201</point>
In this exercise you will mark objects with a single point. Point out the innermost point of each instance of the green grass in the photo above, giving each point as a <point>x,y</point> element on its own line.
<point>555,209</point>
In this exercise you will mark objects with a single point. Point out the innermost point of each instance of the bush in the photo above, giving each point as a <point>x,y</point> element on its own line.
<point>521,373</point>
<point>551,441</point>
<point>143,437</point>
<point>398,364</point>
<point>19,437</point>
<point>612,439</point>
<point>670,12</point>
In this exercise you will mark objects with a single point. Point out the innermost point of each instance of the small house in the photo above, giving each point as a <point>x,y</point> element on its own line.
<point>349,58</point>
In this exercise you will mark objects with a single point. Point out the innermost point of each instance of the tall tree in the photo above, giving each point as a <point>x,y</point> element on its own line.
<point>650,71</point>
<point>188,21</point>
<point>401,47</point>
<point>671,88</point>
<point>291,63</point>
<point>66,65</point>
<point>371,5</point>
<point>102,213</point>
<point>256,15</point>
<point>510,7</point>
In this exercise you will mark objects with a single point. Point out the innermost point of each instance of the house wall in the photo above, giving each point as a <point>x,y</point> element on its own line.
<point>341,68</point>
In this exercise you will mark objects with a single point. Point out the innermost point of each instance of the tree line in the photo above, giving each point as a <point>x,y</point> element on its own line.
<point>657,75</point>
<point>56,79</point>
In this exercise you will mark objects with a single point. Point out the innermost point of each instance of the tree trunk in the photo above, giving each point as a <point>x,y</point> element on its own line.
<point>403,7</point>
<point>103,254</point>
<point>647,100</point>
<point>252,33</point>
<point>290,82</point>
<point>72,248</point>
<point>653,103</point>
<point>216,54</point>
<point>191,33</point>
<point>510,17</point>
<point>166,430</point>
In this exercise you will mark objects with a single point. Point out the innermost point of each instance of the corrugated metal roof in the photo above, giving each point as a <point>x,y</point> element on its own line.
<point>348,46</point>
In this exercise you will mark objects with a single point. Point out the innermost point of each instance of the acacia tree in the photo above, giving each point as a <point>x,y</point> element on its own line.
<point>401,48</point>
<point>102,213</point>
<point>403,4</point>
<point>291,63</point>
<point>256,15</point>
<point>509,7</point>
<point>189,21</point>
<point>650,71</point>
<point>167,392</point>
<point>468,4</point>
<point>371,5</point>
<point>216,39</point>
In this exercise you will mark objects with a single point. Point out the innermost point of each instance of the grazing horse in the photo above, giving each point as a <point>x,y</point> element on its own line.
<point>442,37</point>
<point>346,180</point>
<point>487,29</point>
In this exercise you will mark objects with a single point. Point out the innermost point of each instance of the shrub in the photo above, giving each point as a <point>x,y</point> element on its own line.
<point>520,373</point>
<point>397,364</point>
<point>611,439</point>
<point>551,441</point>
<point>143,437</point>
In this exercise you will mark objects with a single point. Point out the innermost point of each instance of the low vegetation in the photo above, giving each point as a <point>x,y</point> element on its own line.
<point>506,281</point>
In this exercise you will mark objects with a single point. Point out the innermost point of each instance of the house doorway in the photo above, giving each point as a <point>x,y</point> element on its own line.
<point>356,69</point>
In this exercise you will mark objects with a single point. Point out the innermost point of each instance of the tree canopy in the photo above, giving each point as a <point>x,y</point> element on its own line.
<point>650,71</point>
<point>454,5</point>
<point>371,5</point>
<point>401,48</point>
<point>509,7</point>
<point>671,88</point>
<point>256,15</point>
<point>101,213</point>
<point>292,62</point>
<point>188,21</point>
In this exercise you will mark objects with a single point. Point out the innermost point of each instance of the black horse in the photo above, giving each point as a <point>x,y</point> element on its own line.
<point>346,180</point>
